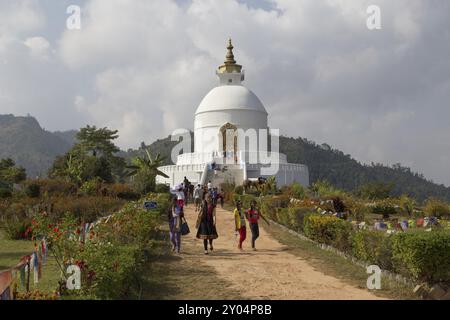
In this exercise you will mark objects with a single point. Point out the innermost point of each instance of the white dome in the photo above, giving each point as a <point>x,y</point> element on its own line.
<point>228,97</point>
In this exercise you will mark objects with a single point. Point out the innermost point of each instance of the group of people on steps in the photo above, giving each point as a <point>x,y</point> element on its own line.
<point>205,205</point>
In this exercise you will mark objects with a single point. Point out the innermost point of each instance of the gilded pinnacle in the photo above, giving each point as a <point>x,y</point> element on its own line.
<point>230,65</point>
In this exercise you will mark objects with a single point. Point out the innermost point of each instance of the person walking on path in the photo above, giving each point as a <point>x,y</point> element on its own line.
<point>198,196</point>
<point>239,220</point>
<point>186,184</point>
<point>221,197</point>
<point>209,185</point>
<point>215,194</point>
<point>253,214</point>
<point>178,192</point>
<point>206,224</point>
<point>175,214</point>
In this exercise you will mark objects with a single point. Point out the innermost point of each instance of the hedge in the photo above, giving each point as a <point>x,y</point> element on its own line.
<point>245,200</point>
<point>423,255</point>
<point>372,246</point>
<point>292,217</point>
<point>420,255</point>
<point>329,230</point>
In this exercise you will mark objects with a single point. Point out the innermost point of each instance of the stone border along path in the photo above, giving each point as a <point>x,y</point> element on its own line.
<point>388,274</point>
<point>268,273</point>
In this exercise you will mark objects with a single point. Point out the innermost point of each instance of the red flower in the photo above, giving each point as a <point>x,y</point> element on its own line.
<point>56,229</point>
<point>78,231</point>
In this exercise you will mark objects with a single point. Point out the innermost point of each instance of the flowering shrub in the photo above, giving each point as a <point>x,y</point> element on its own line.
<point>36,295</point>
<point>111,254</point>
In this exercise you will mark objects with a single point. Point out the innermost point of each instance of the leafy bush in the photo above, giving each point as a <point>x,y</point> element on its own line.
<point>245,200</point>
<point>375,190</point>
<point>436,208</point>
<point>329,230</point>
<point>373,247</point>
<point>110,269</point>
<point>358,210</point>
<point>407,204</point>
<point>227,189</point>
<point>143,182</point>
<point>324,189</point>
<point>17,229</point>
<point>384,208</point>
<point>85,208</point>
<point>298,191</point>
<point>122,191</point>
<point>239,190</point>
<point>292,217</point>
<point>90,188</point>
<point>162,188</point>
<point>423,255</point>
<point>5,193</point>
<point>163,200</point>
<point>112,257</point>
<point>270,205</point>
<point>33,190</point>
<point>56,187</point>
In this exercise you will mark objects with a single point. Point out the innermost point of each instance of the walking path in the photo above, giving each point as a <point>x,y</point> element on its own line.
<point>268,273</point>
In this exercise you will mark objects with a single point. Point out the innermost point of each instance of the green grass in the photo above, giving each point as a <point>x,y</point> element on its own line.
<point>11,251</point>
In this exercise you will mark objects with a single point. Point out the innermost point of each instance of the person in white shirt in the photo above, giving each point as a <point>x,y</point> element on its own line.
<point>178,191</point>
<point>198,195</point>
<point>209,185</point>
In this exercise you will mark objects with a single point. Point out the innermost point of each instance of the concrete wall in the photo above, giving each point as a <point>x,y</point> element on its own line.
<point>287,174</point>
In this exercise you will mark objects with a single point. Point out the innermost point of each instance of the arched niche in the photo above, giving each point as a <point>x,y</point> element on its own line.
<point>228,141</point>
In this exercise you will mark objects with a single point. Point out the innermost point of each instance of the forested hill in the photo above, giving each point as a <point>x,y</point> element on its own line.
<point>23,140</point>
<point>345,172</point>
<point>30,146</point>
<point>341,170</point>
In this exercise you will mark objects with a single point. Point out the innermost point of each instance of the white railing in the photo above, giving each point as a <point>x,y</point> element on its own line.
<point>228,157</point>
<point>183,167</point>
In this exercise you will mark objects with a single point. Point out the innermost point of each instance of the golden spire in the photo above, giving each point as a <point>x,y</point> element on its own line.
<point>229,63</point>
<point>230,55</point>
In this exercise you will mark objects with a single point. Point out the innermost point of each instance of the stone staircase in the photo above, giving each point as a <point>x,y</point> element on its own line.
<point>225,173</point>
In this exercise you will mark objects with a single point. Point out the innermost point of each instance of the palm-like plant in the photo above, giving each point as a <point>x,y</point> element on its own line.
<point>147,164</point>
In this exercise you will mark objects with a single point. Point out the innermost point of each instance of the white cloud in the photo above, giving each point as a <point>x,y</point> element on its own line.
<point>142,67</point>
<point>39,47</point>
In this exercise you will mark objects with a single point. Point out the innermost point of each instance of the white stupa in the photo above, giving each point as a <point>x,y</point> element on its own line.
<point>227,111</point>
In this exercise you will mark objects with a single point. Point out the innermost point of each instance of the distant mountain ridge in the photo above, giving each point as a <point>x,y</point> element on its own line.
<point>30,146</point>
<point>23,140</point>
<point>341,170</point>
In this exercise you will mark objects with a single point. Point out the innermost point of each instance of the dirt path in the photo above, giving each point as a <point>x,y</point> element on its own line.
<point>269,273</point>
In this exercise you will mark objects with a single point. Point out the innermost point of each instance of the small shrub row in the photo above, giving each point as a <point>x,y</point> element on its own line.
<point>419,255</point>
<point>422,255</point>
<point>329,230</point>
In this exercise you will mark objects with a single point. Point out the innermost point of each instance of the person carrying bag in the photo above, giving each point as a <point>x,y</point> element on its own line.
<point>184,227</point>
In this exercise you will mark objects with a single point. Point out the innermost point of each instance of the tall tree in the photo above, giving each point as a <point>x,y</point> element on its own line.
<point>98,141</point>
<point>93,156</point>
<point>9,173</point>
